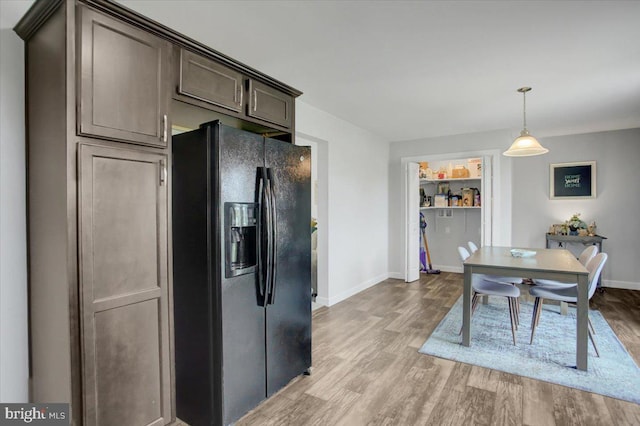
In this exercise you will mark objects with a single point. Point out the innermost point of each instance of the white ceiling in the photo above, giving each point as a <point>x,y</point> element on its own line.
<point>413,69</point>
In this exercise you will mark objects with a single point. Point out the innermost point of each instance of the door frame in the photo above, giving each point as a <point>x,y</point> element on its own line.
<point>412,184</point>
<point>320,162</point>
<point>495,190</point>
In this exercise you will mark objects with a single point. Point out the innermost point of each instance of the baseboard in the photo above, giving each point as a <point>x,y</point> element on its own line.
<point>448,268</point>
<point>443,268</point>
<point>628,285</point>
<point>322,301</point>
<point>354,290</point>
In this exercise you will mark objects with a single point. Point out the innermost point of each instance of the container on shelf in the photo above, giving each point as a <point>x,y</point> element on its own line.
<point>460,172</point>
<point>425,171</point>
<point>468,197</point>
<point>443,188</point>
<point>475,167</point>
<point>440,200</point>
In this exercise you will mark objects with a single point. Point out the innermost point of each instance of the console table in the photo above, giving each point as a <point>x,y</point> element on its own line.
<point>576,239</point>
<point>587,241</point>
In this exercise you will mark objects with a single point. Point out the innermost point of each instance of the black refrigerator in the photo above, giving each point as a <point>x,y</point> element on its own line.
<point>241,270</point>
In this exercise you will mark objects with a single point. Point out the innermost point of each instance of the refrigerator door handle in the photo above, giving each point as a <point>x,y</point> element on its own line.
<point>262,228</point>
<point>268,240</point>
<point>273,236</point>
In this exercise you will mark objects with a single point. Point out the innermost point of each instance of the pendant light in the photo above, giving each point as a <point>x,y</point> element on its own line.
<point>525,145</point>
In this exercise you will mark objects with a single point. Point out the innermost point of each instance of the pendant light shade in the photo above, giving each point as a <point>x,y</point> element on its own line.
<point>525,145</point>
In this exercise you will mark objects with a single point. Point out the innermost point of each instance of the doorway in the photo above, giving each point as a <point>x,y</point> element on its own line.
<point>450,227</point>
<point>320,217</point>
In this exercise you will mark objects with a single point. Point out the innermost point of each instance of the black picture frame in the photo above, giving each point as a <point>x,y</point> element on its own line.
<point>572,180</point>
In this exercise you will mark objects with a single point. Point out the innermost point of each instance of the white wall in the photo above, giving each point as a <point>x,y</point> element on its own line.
<point>616,210</point>
<point>357,202</point>
<point>456,146</point>
<point>13,267</point>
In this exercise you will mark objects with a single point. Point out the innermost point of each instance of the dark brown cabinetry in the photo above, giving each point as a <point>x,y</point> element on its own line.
<point>270,105</point>
<point>99,266</point>
<point>124,286</point>
<point>209,84</point>
<point>123,73</point>
<point>210,81</point>
<point>100,79</point>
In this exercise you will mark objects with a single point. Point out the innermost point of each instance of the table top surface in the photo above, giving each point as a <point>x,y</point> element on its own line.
<point>551,260</point>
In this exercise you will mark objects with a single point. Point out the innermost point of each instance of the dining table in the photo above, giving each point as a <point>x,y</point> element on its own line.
<point>551,264</point>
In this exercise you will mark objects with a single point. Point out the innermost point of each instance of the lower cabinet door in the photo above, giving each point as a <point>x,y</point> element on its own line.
<point>124,296</point>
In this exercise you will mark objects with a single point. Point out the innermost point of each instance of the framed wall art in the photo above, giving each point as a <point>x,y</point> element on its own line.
<point>572,180</point>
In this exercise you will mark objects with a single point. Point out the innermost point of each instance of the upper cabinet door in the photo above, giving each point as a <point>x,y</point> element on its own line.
<point>123,76</point>
<point>268,104</point>
<point>209,81</point>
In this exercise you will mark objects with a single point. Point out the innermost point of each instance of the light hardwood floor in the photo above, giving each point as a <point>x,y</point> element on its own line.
<point>366,369</point>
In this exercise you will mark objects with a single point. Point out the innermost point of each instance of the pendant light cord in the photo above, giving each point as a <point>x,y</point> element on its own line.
<point>524,109</point>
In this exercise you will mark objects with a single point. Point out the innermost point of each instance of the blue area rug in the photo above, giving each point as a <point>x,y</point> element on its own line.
<point>551,358</point>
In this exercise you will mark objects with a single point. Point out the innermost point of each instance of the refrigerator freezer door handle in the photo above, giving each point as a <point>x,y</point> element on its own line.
<point>273,236</point>
<point>260,185</point>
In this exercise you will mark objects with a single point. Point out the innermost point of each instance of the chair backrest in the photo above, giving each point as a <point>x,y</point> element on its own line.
<point>464,254</point>
<point>588,254</point>
<point>473,247</point>
<point>594,267</point>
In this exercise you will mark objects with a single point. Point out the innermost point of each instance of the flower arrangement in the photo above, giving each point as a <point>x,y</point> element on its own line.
<point>575,223</point>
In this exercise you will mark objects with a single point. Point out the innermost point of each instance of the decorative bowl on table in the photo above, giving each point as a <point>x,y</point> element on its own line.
<point>522,253</point>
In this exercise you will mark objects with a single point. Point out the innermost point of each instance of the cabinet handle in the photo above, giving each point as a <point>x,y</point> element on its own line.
<point>164,128</point>
<point>239,94</point>
<point>255,100</point>
<point>163,172</point>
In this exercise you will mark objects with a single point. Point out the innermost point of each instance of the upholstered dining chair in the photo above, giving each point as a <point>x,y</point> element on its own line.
<point>472,246</point>
<point>568,294</point>
<point>483,287</point>
<point>586,255</point>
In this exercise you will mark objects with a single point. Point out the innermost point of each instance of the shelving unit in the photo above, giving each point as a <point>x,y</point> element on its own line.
<point>456,185</point>
<point>450,226</point>
<point>452,208</point>
<point>449,180</point>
